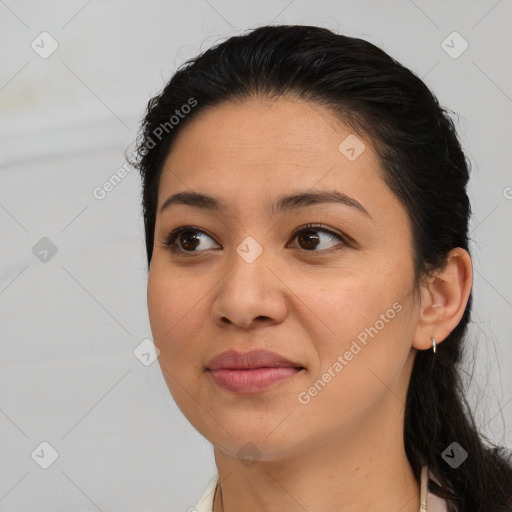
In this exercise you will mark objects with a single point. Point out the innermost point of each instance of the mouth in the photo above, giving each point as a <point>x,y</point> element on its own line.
<point>252,380</point>
<point>251,372</point>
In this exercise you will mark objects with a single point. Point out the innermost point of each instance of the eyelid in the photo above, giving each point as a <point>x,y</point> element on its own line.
<point>346,240</point>
<point>171,238</point>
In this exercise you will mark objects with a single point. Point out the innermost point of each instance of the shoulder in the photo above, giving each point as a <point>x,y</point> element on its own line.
<point>205,502</point>
<point>434,503</point>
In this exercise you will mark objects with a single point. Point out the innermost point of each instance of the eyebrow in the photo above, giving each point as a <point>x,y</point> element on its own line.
<point>283,203</point>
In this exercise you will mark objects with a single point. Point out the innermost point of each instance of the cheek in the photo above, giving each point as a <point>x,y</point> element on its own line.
<point>350,303</point>
<point>366,320</point>
<point>359,367</point>
<point>175,308</point>
<point>176,313</point>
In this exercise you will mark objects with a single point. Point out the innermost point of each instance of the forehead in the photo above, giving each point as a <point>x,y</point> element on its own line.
<point>264,148</point>
<point>263,132</point>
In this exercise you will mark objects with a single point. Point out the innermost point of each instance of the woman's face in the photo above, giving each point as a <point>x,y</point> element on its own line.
<point>336,300</point>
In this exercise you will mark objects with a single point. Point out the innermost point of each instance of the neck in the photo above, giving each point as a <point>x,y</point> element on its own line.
<point>351,470</point>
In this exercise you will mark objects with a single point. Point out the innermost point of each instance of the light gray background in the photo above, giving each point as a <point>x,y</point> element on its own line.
<point>70,325</point>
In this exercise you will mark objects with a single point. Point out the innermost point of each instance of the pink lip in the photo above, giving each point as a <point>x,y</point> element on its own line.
<point>250,372</point>
<point>251,381</point>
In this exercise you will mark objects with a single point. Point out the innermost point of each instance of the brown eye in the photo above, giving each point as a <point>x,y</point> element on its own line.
<point>189,240</point>
<point>308,238</point>
<point>185,240</point>
<point>311,238</point>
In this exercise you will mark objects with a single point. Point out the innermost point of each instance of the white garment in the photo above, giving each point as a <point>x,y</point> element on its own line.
<point>429,502</point>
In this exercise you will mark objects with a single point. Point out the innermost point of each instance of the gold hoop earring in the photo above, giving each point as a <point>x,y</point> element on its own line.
<point>434,345</point>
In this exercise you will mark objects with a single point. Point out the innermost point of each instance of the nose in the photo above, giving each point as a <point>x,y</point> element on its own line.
<point>250,294</point>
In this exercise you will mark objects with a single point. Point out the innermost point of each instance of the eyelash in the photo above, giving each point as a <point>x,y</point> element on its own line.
<point>170,241</point>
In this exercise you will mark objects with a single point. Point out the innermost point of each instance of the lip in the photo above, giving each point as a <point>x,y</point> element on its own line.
<point>233,360</point>
<point>250,372</point>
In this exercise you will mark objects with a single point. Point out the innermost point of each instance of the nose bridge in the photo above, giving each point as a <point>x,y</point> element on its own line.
<point>248,266</point>
<point>249,290</point>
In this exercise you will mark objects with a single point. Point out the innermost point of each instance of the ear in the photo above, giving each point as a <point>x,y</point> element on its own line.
<point>443,299</point>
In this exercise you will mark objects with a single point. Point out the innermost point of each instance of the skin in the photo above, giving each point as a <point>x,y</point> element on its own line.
<point>307,303</point>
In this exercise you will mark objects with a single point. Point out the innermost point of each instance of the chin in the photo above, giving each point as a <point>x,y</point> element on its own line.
<point>260,447</point>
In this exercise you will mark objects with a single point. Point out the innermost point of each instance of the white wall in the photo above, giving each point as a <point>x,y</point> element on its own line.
<point>69,326</point>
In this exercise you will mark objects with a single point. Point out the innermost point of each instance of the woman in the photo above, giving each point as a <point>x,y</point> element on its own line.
<point>309,283</point>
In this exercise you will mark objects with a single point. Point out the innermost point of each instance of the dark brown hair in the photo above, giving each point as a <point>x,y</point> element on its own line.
<point>422,163</point>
